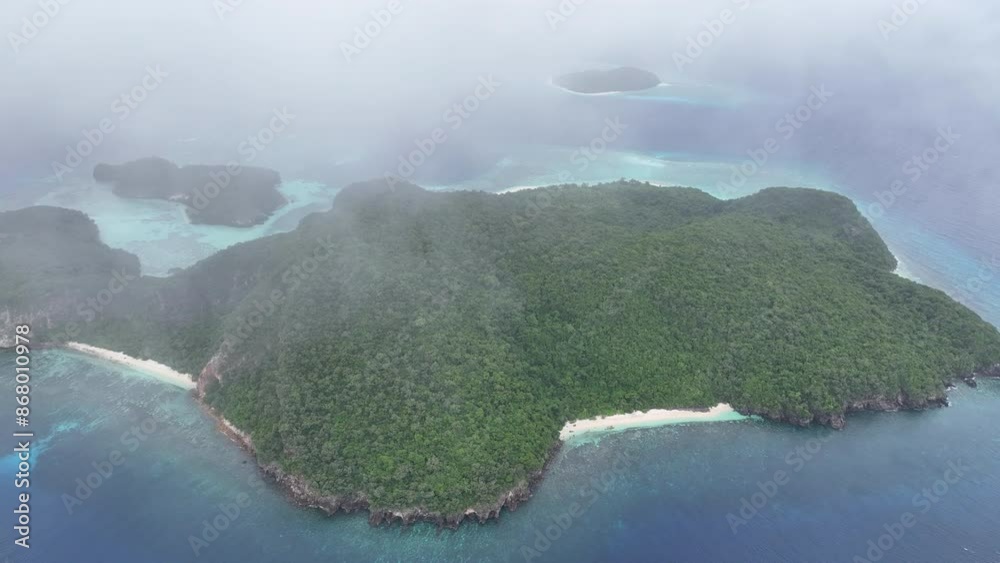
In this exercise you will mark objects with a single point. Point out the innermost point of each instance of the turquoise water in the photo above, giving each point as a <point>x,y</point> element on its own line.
<point>683,93</point>
<point>159,233</point>
<point>660,494</point>
<point>542,165</point>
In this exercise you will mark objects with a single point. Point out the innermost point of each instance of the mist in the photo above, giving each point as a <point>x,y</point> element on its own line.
<point>526,322</point>
<point>362,96</point>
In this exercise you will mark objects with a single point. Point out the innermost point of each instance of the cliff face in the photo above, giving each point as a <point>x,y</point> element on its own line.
<point>306,496</point>
<point>838,420</point>
<point>212,372</point>
<point>899,402</point>
<point>10,319</point>
<point>303,494</point>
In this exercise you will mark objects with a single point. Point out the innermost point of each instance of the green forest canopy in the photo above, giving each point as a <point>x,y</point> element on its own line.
<point>423,349</point>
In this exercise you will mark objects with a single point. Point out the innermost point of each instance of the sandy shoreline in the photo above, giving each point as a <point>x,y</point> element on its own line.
<point>639,419</point>
<point>517,189</point>
<point>514,189</point>
<point>552,83</point>
<point>903,271</point>
<point>156,369</point>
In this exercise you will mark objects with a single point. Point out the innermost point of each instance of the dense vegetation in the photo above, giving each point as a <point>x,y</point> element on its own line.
<point>237,196</point>
<point>624,79</point>
<point>426,348</point>
<point>49,254</point>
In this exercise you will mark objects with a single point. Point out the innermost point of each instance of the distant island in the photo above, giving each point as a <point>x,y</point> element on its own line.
<point>231,195</point>
<point>623,79</point>
<point>417,354</point>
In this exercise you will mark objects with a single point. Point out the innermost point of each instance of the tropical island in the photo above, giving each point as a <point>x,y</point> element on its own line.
<point>418,353</point>
<point>623,79</point>
<point>231,195</point>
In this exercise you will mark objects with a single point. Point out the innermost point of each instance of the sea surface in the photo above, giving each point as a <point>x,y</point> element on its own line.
<point>664,494</point>
<point>743,490</point>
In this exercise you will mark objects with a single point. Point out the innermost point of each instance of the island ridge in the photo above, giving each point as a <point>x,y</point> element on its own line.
<point>417,353</point>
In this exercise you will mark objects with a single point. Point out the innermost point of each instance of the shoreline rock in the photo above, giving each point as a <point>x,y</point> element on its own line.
<point>304,496</point>
<point>902,402</point>
<point>992,372</point>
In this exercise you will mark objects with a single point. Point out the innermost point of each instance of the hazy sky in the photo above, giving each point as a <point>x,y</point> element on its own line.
<point>228,63</point>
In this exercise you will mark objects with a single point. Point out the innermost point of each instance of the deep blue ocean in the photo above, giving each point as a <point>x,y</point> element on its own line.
<point>918,486</point>
<point>665,494</point>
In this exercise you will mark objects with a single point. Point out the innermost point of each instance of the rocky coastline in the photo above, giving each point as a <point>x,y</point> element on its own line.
<point>838,421</point>
<point>305,496</point>
<point>992,372</point>
<point>302,494</point>
<point>900,402</point>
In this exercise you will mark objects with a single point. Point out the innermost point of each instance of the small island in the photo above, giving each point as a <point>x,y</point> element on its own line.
<point>622,79</point>
<point>423,355</point>
<point>230,195</point>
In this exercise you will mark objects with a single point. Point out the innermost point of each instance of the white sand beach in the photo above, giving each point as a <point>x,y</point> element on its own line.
<point>552,83</point>
<point>574,92</point>
<point>513,189</point>
<point>903,271</point>
<point>156,369</point>
<point>639,419</point>
<point>517,189</point>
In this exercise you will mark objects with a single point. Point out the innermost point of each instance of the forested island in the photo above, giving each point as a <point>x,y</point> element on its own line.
<point>231,195</point>
<point>623,79</point>
<point>51,261</point>
<point>416,353</point>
